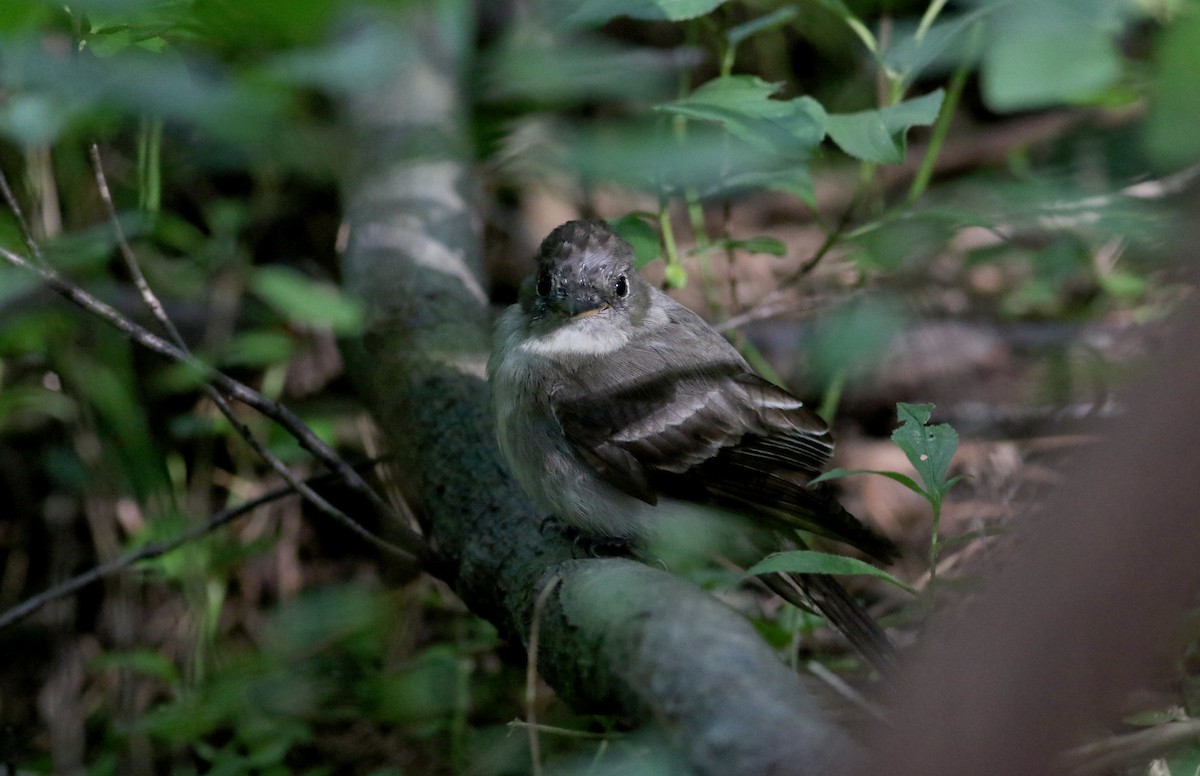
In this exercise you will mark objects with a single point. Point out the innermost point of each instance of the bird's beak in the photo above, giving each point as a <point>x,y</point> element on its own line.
<point>578,307</point>
<point>589,313</point>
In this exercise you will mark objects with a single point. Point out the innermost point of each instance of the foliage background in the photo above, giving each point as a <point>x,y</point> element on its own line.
<point>972,203</point>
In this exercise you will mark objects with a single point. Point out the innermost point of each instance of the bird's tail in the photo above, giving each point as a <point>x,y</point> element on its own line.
<point>834,602</point>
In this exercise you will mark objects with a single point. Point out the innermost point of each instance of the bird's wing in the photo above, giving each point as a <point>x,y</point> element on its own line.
<point>684,416</point>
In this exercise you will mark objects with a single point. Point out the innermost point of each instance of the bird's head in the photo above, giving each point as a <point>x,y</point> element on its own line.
<point>584,270</point>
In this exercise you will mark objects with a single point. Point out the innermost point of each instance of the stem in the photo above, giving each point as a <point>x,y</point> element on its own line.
<point>941,126</point>
<point>668,238</point>
<point>833,396</point>
<point>149,164</point>
<point>936,503</point>
<point>927,19</point>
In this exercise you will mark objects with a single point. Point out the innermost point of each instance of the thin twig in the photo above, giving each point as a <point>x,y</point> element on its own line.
<point>413,546</point>
<point>243,430</point>
<point>158,549</point>
<point>587,735</point>
<point>14,205</point>
<point>775,302</point>
<point>131,262</point>
<point>531,723</point>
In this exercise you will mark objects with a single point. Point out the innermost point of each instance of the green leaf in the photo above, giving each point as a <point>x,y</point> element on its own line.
<point>303,300</point>
<point>812,562</point>
<point>779,16</point>
<point>942,45</point>
<point>642,155</point>
<point>928,448</point>
<point>594,12</point>
<point>257,348</point>
<point>633,228</point>
<point>903,479</point>
<point>1170,131</point>
<point>879,135</point>
<point>742,105</point>
<point>1041,57</point>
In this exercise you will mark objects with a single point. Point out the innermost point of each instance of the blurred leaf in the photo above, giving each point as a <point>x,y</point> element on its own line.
<point>1048,53</point>
<point>25,15</point>
<point>776,18</point>
<point>928,448</point>
<point>1170,131</point>
<point>322,617</point>
<point>105,378</point>
<point>812,562</point>
<point>424,691</point>
<point>879,135</point>
<point>143,661</point>
<point>35,119</point>
<point>644,239</point>
<point>571,68</point>
<point>18,400</point>
<point>257,348</point>
<point>743,106</point>
<point>600,11</point>
<point>642,155</point>
<point>1123,285</point>
<point>942,45</point>
<point>347,64</point>
<point>301,299</point>
<point>851,341</point>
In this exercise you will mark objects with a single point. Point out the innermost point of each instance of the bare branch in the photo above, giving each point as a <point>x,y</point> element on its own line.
<point>156,307</point>
<point>158,549</point>
<point>131,262</point>
<point>15,206</point>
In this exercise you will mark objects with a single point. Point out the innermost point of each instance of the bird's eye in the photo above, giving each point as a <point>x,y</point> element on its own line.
<point>544,284</point>
<point>621,287</point>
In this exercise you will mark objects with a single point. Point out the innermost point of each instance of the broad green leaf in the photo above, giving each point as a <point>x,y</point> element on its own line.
<point>743,106</point>
<point>634,230</point>
<point>879,135</point>
<point>928,448</point>
<point>1038,59</point>
<point>303,300</point>
<point>942,46</point>
<point>642,155</point>
<point>570,68</point>
<point>594,12</point>
<point>812,562</point>
<point>1170,131</point>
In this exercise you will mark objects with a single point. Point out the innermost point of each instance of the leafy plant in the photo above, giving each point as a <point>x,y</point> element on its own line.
<point>929,449</point>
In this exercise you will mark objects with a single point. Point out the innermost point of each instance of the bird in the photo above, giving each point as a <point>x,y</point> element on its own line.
<point>621,413</point>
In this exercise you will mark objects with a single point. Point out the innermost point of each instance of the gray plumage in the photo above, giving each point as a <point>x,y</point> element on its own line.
<point>618,408</point>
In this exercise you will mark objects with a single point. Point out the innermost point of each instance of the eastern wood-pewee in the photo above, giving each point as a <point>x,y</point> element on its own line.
<point>621,411</point>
